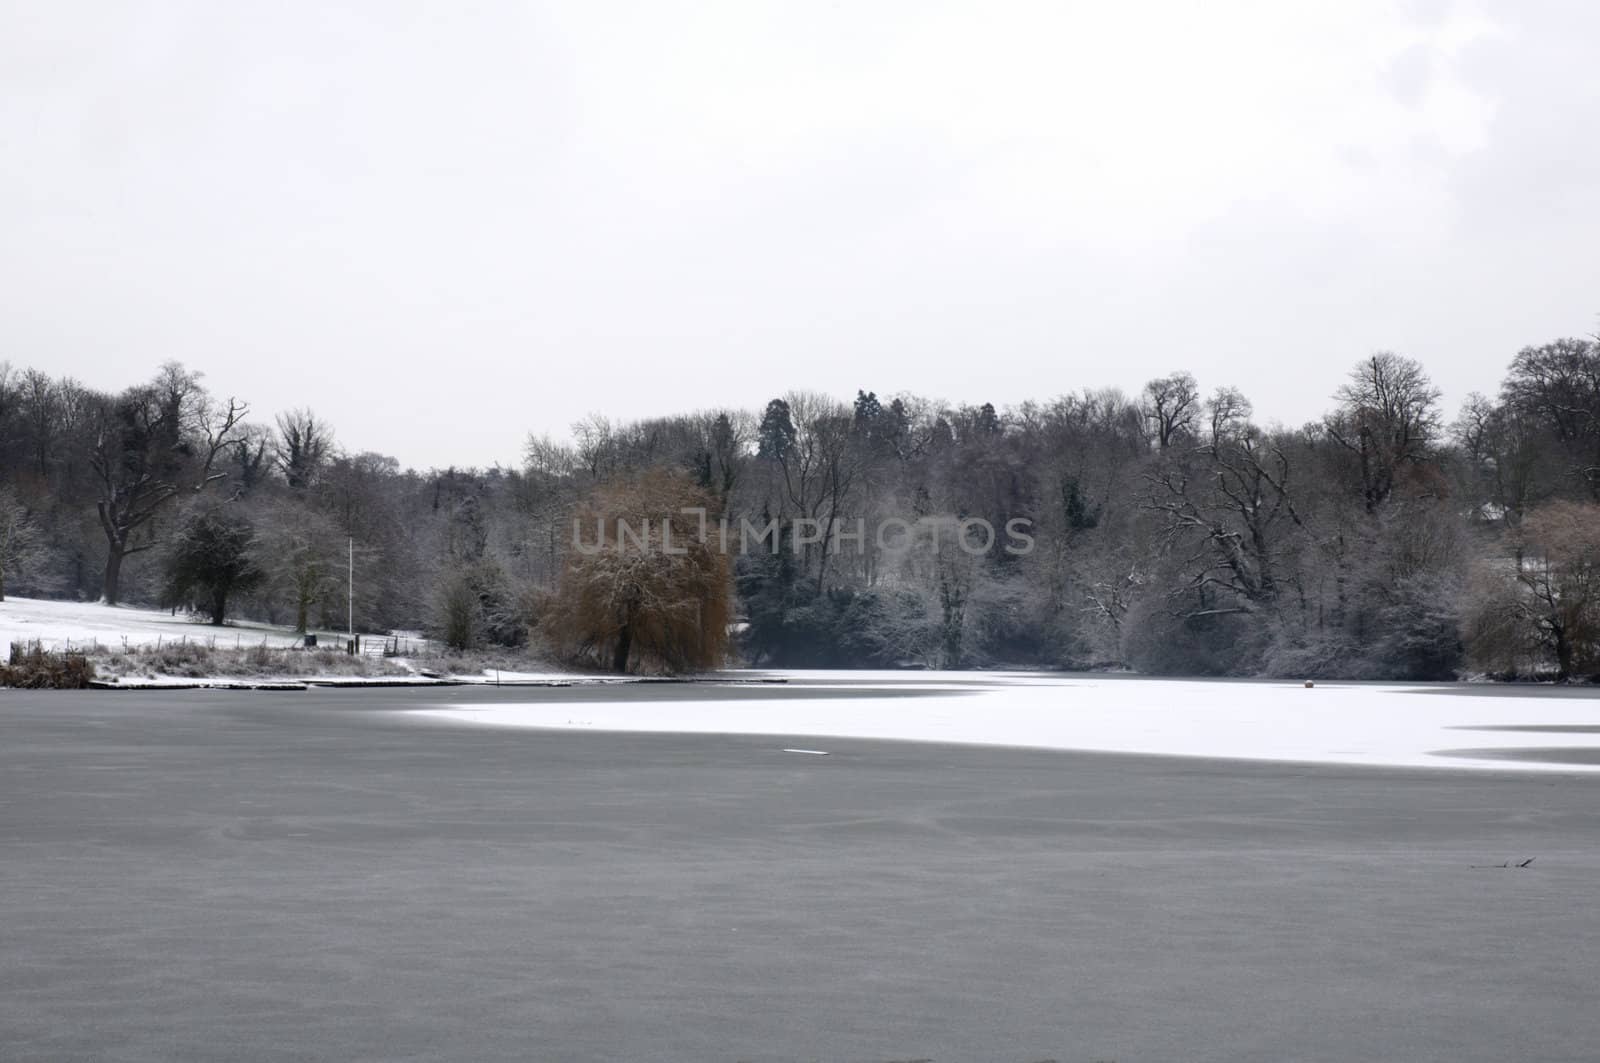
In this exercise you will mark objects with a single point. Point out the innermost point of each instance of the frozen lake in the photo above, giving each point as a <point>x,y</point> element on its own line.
<point>328,874</point>
<point>1441,725</point>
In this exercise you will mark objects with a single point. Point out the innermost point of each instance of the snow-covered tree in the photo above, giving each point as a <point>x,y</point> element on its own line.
<point>20,537</point>
<point>304,555</point>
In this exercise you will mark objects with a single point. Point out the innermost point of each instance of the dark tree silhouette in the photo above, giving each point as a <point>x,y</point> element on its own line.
<point>211,559</point>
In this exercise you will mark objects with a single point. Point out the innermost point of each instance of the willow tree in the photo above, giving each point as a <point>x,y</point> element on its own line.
<point>647,583</point>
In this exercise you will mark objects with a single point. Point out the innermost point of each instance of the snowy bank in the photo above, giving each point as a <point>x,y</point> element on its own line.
<point>124,640</point>
<point>84,625</point>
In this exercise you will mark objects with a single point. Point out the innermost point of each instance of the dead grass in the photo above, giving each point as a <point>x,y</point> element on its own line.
<point>199,661</point>
<point>32,667</point>
<point>477,662</point>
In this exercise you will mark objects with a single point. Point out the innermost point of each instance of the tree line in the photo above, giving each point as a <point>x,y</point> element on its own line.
<point>1172,531</point>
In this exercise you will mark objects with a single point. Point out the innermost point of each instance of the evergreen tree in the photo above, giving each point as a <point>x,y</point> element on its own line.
<point>776,436</point>
<point>211,559</point>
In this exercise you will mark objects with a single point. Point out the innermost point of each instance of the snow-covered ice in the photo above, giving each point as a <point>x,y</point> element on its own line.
<point>1331,723</point>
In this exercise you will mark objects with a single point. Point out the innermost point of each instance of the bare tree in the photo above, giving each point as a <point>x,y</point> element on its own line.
<point>596,446</point>
<point>1170,405</point>
<point>725,435</point>
<point>303,446</point>
<point>1558,386</point>
<point>813,456</point>
<point>19,536</point>
<point>1506,458</point>
<point>1546,597</point>
<point>1225,509</point>
<point>546,458</point>
<point>303,555</point>
<point>1387,419</point>
<point>252,457</point>
<point>947,577</point>
<point>39,398</point>
<point>151,444</point>
<point>8,402</point>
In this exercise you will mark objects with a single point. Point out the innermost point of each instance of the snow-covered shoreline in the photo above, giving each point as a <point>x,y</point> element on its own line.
<point>122,633</point>
<point>63,625</point>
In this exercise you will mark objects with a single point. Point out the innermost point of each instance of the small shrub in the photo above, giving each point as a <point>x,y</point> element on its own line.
<point>33,667</point>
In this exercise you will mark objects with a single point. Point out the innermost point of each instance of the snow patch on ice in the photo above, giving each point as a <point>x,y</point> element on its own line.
<point>1331,723</point>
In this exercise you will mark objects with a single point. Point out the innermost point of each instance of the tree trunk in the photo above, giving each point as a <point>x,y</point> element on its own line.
<point>1563,655</point>
<point>219,606</point>
<point>951,658</point>
<point>619,658</point>
<point>300,616</point>
<point>954,615</point>
<point>111,586</point>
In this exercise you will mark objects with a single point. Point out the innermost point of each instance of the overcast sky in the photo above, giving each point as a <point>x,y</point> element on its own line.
<point>444,226</point>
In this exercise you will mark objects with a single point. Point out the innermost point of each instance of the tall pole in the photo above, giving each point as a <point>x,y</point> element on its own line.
<point>350,590</point>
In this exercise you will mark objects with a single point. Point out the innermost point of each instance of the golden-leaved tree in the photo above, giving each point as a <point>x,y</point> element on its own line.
<point>646,583</point>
